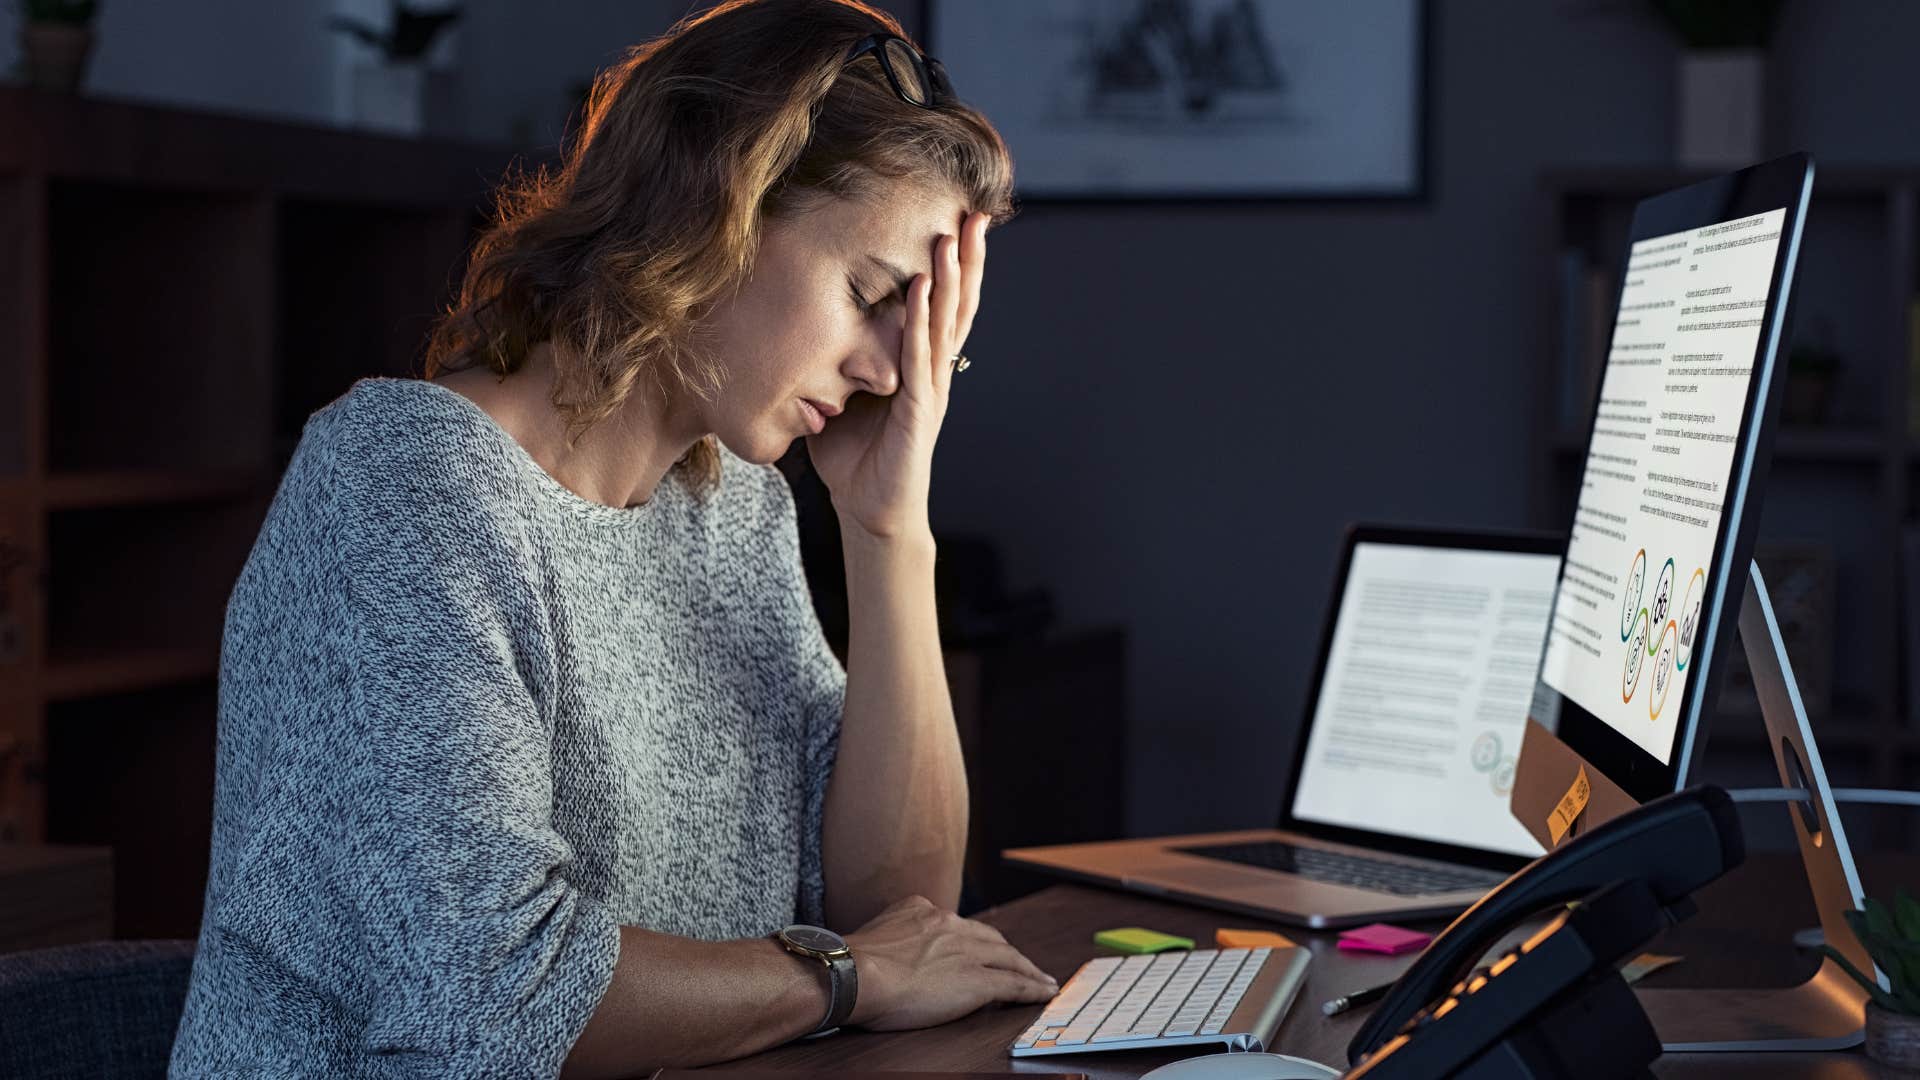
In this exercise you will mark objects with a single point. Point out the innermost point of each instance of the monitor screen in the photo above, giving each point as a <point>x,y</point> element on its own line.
<point>1424,695</point>
<point>1673,402</point>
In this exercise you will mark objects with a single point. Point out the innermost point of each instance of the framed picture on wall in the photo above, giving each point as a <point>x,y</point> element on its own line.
<point>1196,99</point>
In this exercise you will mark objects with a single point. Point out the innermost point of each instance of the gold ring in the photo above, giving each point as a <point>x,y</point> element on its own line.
<point>960,362</point>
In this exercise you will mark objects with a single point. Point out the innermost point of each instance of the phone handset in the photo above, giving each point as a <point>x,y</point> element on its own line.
<point>1662,851</point>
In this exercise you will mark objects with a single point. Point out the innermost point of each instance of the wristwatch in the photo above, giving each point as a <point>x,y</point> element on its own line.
<point>830,949</point>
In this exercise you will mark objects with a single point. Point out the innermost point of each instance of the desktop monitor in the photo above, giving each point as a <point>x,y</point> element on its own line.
<point>1657,555</point>
<point>1658,575</point>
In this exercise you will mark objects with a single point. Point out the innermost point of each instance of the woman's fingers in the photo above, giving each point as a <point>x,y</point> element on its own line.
<point>973,267</point>
<point>1012,986</point>
<point>1008,958</point>
<point>991,949</point>
<point>916,346</point>
<point>947,287</point>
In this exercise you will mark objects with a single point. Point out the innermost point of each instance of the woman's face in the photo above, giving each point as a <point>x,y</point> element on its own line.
<point>801,329</point>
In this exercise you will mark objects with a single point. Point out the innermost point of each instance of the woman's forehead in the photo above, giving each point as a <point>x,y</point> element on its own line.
<point>898,222</point>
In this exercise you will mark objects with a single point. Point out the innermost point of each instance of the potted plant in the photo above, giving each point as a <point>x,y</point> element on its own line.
<point>1721,79</point>
<point>56,36</point>
<point>401,95</point>
<point>1892,938</point>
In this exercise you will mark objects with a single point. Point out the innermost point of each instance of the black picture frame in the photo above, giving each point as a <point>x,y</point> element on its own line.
<point>980,90</point>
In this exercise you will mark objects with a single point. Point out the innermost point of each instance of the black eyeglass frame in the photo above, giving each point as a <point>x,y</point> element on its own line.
<point>939,87</point>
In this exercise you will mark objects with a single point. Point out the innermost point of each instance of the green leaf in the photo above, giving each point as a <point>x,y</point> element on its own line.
<point>1856,920</point>
<point>1899,958</point>
<point>1879,996</point>
<point>1878,946</point>
<point>1906,913</point>
<point>1884,958</point>
<point>1879,919</point>
<point>1901,962</point>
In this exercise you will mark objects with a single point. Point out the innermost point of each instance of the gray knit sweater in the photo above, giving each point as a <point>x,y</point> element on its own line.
<point>470,724</point>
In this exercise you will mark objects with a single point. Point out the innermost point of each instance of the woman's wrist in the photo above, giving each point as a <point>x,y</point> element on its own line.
<point>902,541</point>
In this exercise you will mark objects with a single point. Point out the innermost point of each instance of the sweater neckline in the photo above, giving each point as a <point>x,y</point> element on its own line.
<point>573,502</point>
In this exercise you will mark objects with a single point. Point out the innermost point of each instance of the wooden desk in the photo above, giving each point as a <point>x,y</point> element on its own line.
<point>1723,944</point>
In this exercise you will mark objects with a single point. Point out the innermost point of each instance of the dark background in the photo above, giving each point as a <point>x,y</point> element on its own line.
<point>1174,409</point>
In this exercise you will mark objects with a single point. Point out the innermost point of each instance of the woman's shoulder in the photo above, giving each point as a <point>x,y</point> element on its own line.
<point>410,439</point>
<point>403,418</point>
<point>403,462</point>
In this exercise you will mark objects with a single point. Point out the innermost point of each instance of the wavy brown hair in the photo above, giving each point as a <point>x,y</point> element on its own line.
<point>744,113</point>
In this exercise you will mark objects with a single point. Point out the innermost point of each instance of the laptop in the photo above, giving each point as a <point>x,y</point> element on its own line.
<point>1397,805</point>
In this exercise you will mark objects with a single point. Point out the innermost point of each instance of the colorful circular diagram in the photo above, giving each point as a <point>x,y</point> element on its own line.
<point>1636,587</point>
<point>1690,618</point>
<point>1663,670</point>
<point>1662,594</point>
<point>1636,657</point>
<point>1486,752</point>
<point>1503,776</point>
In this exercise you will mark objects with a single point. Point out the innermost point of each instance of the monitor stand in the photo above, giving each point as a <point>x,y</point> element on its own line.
<point>1827,1012</point>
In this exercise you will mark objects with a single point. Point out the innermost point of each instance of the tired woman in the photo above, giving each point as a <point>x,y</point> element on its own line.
<point>532,755</point>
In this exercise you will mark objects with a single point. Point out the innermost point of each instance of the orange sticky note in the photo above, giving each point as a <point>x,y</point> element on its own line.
<point>1574,801</point>
<point>1250,939</point>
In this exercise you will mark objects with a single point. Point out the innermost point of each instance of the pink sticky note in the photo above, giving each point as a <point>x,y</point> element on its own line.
<point>1381,938</point>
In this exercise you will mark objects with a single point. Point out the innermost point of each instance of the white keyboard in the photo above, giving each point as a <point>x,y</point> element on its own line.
<point>1232,996</point>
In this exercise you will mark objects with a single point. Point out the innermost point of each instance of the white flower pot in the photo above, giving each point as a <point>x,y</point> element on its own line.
<point>1720,108</point>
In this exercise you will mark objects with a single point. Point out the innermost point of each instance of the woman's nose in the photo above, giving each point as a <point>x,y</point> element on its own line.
<point>876,367</point>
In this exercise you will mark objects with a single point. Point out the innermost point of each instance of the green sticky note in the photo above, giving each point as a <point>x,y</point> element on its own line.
<point>1134,939</point>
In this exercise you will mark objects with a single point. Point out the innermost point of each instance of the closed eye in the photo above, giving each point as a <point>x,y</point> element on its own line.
<point>869,308</point>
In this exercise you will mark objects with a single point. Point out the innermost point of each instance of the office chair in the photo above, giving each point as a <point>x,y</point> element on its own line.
<point>102,1009</point>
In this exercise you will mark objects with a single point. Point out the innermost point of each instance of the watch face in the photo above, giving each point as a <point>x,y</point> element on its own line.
<point>813,938</point>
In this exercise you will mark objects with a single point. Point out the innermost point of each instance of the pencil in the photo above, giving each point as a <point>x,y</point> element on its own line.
<point>1356,999</point>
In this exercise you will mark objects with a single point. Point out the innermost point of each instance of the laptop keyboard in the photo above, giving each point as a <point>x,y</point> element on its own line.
<point>1339,868</point>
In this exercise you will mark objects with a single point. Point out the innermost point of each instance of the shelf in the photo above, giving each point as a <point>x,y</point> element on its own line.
<point>18,359</point>
<point>78,674</point>
<point>179,291</point>
<point>143,581</point>
<point>159,329</point>
<point>138,487</point>
<point>97,138</point>
<point>134,772</point>
<point>357,292</point>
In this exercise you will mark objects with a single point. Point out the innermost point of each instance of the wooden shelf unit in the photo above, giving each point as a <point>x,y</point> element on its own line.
<point>1848,485</point>
<point>179,291</point>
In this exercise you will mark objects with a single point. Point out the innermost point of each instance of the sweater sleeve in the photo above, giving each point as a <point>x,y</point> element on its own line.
<point>407,879</point>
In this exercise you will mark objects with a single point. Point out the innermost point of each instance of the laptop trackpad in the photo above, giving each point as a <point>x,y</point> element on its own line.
<point>1194,872</point>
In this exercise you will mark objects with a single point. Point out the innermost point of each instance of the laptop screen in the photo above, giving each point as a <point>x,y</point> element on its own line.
<point>1416,727</point>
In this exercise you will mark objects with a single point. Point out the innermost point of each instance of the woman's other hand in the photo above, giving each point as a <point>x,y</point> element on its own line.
<point>920,966</point>
<point>877,457</point>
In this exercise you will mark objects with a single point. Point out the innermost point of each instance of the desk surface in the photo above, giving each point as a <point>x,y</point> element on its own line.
<point>1726,943</point>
